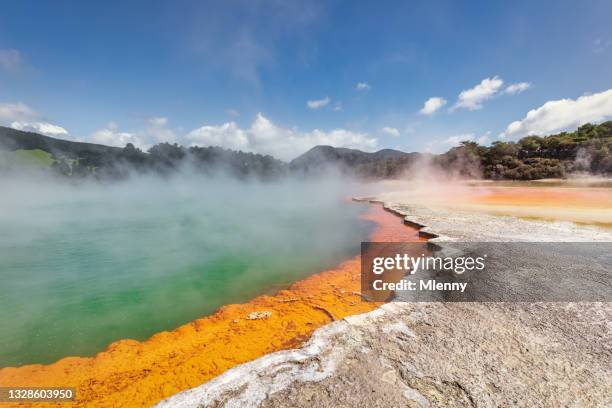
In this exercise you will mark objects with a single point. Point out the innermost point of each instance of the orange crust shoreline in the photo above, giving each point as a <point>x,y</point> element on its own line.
<point>131,373</point>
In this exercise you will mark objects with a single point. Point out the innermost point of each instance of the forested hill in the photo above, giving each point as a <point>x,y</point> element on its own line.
<point>12,139</point>
<point>75,159</point>
<point>588,149</point>
<point>386,163</point>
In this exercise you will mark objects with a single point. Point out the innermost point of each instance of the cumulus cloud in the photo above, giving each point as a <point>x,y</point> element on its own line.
<point>228,135</point>
<point>263,136</point>
<point>391,131</point>
<point>22,117</point>
<point>44,128</point>
<point>363,86</point>
<point>443,145</point>
<point>111,135</point>
<point>562,114</point>
<point>432,105</point>
<point>473,98</point>
<point>11,60</point>
<point>517,88</point>
<point>318,103</point>
<point>155,131</point>
<point>337,107</point>
<point>455,140</point>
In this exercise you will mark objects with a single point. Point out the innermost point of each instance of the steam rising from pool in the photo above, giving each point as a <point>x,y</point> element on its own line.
<point>85,264</point>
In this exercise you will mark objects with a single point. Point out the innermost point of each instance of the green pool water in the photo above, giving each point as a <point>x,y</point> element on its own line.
<point>84,265</point>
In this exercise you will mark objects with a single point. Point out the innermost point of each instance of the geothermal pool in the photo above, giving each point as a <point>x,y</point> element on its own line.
<point>584,202</point>
<point>82,266</point>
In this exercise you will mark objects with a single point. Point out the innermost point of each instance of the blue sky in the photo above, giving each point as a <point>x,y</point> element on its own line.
<point>280,76</point>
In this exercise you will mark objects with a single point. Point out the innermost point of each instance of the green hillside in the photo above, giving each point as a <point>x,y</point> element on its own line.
<point>35,157</point>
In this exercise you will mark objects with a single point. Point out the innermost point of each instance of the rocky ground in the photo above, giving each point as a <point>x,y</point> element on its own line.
<point>433,354</point>
<point>456,225</point>
<point>440,354</point>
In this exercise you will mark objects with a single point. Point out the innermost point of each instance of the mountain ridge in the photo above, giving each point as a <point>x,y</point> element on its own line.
<point>588,149</point>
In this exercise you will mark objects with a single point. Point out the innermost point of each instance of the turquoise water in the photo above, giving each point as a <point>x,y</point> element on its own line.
<point>82,266</point>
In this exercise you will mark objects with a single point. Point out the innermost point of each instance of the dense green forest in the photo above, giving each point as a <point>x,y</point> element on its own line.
<point>588,149</point>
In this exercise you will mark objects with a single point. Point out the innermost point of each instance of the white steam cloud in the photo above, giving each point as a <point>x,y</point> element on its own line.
<point>147,236</point>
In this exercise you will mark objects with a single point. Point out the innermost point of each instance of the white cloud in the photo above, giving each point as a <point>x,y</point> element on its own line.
<point>21,117</point>
<point>432,104</point>
<point>111,136</point>
<point>15,112</point>
<point>158,121</point>
<point>363,86</point>
<point>455,140</point>
<point>228,135</point>
<point>517,88</point>
<point>484,139</point>
<point>44,128</point>
<point>155,131</point>
<point>441,146</point>
<point>562,114</point>
<point>10,60</point>
<point>473,98</point>
<point>265,137</point>
<point>391,131</point>
<point>318,103</point>
<point>337,107</point>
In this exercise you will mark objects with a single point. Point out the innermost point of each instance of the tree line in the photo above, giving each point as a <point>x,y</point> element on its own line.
<point>588,149</point>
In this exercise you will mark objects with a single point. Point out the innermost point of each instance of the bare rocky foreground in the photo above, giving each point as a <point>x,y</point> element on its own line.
<point>433,354</point>
<point>439,354</point>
